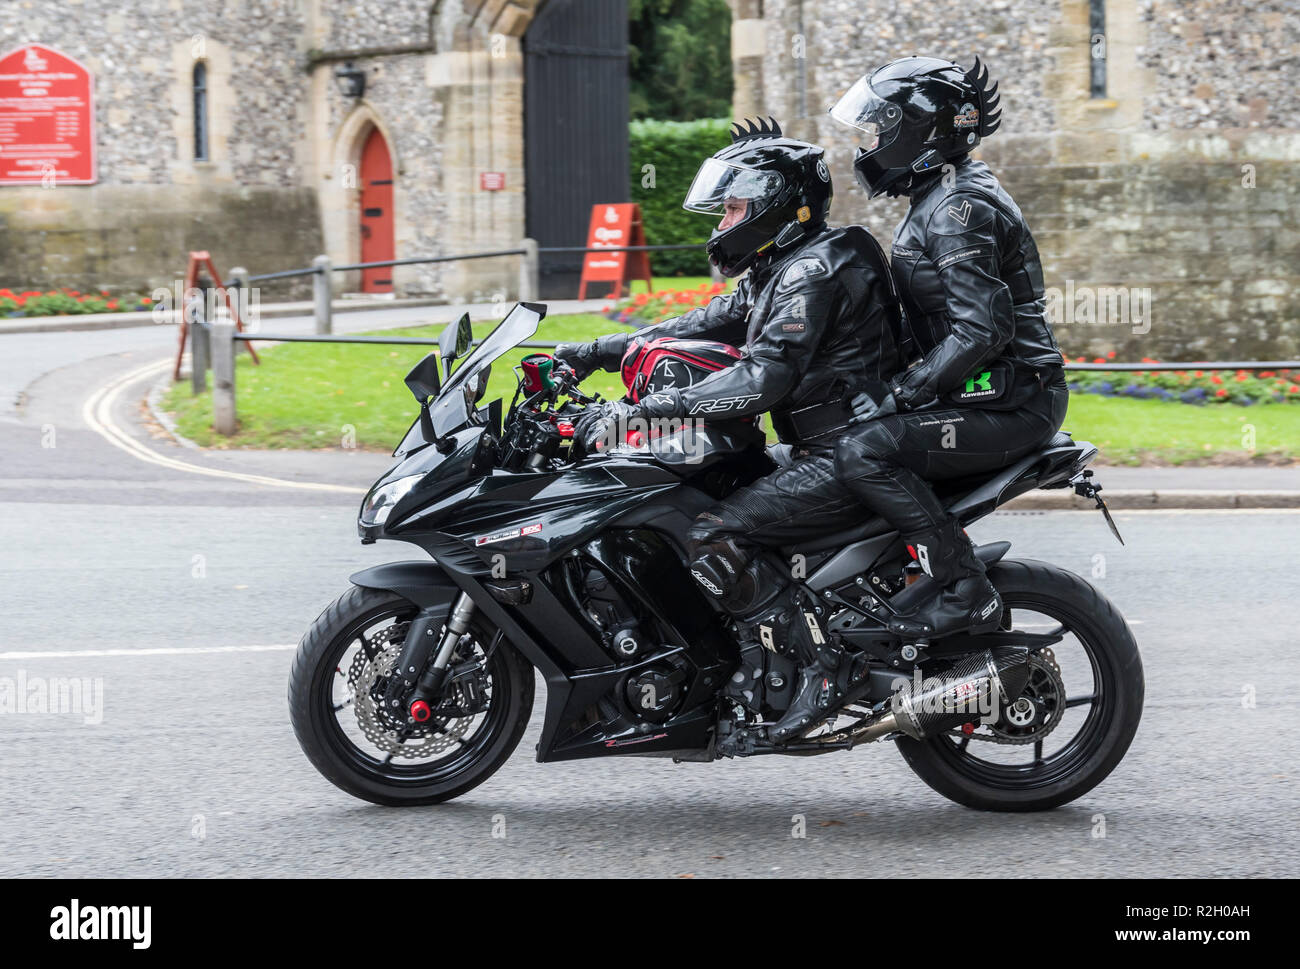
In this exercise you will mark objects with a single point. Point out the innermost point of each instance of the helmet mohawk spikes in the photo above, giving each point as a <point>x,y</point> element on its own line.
<point>989,98</point>
<point>756,128</point>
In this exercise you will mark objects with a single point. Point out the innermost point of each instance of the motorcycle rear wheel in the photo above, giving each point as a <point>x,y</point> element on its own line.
<point>990,777</point>
<point>324,706</point>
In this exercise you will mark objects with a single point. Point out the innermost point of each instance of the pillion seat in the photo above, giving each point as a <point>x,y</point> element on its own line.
<point>974,496</point>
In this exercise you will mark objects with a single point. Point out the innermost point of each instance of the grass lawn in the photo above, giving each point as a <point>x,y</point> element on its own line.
<point>318,395</point>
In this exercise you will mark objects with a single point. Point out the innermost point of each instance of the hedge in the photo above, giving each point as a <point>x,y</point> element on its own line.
<point>675,149</point>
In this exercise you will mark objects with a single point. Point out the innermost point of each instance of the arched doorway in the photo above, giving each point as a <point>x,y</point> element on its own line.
<point>376,180</point>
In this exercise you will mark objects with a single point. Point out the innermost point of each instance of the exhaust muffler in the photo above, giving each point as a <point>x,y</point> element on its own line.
<point>974,689</point>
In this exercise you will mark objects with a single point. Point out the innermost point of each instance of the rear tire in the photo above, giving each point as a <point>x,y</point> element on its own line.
<point>317,719</point>
<point>1118,686</point>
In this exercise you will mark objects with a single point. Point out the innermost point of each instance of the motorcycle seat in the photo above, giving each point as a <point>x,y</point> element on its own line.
<point>975,495</point>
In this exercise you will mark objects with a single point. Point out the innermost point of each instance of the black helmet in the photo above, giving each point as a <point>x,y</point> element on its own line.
<point>917,112</point>
<point>772,191</point>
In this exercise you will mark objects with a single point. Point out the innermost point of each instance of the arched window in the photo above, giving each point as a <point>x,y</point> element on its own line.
<point>1097,48</point>
<point>200,86</point>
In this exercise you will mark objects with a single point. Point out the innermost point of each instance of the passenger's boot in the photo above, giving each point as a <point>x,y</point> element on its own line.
<point>955,596</point>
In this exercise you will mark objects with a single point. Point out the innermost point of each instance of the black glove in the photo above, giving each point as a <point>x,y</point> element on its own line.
<point>582,358</point>
<point>865,408</point>
<point>911,389</point>
<point>598,420</point>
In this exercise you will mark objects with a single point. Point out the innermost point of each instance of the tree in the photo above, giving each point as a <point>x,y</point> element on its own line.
<point>679,59</point>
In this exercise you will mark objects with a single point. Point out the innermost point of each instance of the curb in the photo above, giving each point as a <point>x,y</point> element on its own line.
<point>118,321</point>
<point>1136,499</point>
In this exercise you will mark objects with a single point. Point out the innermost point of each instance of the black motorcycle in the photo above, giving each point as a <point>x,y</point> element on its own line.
<point>416,684</point>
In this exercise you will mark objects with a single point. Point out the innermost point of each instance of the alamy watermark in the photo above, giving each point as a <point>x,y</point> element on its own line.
<point>1100,306</point>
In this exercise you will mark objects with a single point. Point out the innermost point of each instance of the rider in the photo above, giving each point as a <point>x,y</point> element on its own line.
<point>818,321</point>
<point>989,387</point>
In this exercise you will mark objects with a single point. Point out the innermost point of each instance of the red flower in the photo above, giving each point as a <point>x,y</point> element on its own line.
<point>1293,389</point>
<point>1200,373</point>
<point>1098,360</point>
<point>1241,378</point>
<point>1220,393</point>
<point>1216,379</point>
<point>1111,356</point>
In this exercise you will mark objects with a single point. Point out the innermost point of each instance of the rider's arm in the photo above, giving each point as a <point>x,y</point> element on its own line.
<point>778,355</point>
<point>722,318</point>
<point>962,242</point>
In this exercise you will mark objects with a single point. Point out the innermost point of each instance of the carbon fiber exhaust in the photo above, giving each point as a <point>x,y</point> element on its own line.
<point>974,689</point>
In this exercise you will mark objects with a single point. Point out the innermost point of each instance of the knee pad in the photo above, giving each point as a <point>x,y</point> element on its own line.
<point>735,577</point>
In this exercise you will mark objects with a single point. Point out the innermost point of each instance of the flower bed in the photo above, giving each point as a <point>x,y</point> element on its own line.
<point>67,302</point>
<point>1241,387</point>
<point>644,309</point>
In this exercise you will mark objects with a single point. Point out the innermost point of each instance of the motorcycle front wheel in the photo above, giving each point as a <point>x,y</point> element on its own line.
<point>1085,696</point>
<point>337,679</point>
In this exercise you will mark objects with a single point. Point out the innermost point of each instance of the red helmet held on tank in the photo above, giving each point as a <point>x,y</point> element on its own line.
<point>651,365</point>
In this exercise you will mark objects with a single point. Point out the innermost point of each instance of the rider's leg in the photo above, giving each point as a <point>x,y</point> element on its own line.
<point>799,501</point>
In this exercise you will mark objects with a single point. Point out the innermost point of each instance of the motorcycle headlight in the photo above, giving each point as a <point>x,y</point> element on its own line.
<point>375,509</point>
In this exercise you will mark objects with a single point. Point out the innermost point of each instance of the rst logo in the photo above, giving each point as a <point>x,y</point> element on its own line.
<point>723,404</point>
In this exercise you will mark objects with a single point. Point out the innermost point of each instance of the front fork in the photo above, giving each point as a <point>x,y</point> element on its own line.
<point>408,686</point>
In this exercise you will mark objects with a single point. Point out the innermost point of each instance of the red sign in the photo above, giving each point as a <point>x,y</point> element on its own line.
<point>491,181</point>
<point>613,226</point>
<point>47,119</point>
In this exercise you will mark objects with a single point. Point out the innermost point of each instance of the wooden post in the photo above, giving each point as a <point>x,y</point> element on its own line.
<point>528,272</point>
<point>321,287</point>
<point>223,377</point>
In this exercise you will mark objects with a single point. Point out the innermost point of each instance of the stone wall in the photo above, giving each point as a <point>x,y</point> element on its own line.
<point>1179,183</point>
<point>153,200</point>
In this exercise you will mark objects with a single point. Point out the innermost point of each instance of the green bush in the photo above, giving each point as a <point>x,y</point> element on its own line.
<point>675,149</point>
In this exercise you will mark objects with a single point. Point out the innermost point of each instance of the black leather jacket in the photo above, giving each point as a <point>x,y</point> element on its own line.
<point>968,272</point>
<point>817,324</point>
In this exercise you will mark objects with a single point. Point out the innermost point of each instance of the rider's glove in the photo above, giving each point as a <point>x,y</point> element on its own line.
<point>600,422</point>
<point>865,408</point>
<point>582,357</point>
<point>603,353</point>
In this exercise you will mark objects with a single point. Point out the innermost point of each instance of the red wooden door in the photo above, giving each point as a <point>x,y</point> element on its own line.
<point>376,213</point>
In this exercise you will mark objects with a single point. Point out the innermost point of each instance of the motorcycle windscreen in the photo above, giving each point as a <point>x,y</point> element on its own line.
<point>452,410</point>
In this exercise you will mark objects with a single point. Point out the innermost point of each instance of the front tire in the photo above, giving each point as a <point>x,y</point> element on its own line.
<point>326,707</point>
<point>987,777</point>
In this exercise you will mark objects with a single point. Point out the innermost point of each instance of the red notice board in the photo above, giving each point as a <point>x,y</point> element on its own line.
<point>47,119</point>
<point>615,225</point>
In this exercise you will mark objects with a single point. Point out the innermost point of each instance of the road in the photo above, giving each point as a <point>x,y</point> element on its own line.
<point>181,594</point>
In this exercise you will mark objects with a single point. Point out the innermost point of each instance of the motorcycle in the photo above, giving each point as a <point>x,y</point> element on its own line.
<point>417,683</point>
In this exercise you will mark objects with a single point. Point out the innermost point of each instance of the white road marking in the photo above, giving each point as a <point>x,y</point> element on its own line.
<point>97,412</point>
<point>159,651</point>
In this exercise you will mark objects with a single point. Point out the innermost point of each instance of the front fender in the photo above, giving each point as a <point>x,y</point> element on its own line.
<point>423,583</point>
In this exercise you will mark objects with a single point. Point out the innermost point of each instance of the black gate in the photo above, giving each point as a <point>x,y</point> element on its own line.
<point>575,127</point>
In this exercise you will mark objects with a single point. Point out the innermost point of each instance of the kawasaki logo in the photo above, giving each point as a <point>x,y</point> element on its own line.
<point>982,381</point>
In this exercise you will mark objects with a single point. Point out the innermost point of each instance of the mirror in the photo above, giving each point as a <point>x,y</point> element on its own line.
<point>455,342</point>
<point>423,381</point>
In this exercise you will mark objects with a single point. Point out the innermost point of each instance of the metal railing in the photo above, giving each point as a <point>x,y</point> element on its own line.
<point>322,267</point>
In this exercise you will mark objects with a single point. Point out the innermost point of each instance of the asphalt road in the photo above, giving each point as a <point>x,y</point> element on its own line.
<point>188,765</point>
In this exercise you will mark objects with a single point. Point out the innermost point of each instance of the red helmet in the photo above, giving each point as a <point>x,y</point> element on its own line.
<point>651,365</point>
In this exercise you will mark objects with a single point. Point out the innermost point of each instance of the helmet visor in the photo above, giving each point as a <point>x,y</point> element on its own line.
<point>871,114</point>
<point>731,192</point>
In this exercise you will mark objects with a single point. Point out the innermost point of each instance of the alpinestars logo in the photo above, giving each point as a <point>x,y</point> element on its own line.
<point>765,637</point>
<point>706,583</point>
<point>815,628</point>
<point>923,557</point>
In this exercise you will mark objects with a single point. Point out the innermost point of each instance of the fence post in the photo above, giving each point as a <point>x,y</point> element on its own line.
<point>199,355</point>
<point>528,272</point>
<point>320,285</point>
<point>223,377</point>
